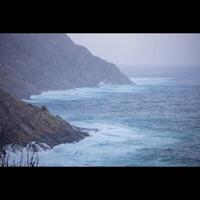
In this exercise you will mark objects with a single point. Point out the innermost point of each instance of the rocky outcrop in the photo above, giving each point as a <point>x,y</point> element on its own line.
<point>22,123</point>
<point>32,63</point>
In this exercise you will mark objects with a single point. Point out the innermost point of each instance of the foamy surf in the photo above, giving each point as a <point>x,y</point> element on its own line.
<point>106,147</point>
<point>150,123</point>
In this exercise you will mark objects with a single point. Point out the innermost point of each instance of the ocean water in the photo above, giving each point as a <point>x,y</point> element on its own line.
<point>155,122</point>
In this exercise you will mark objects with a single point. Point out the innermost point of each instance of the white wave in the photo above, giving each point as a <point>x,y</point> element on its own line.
<point>84,93</point>
<point>113,141</point>
<point>103,148</point>
<point>153,81</point>
<point>103,83</point>
<point>102,89</point>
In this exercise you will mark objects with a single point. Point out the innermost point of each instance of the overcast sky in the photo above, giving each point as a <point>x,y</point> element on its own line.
<point>143,49</point>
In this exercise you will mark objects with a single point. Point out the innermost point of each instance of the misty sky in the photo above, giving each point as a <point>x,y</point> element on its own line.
<point>135,50</point>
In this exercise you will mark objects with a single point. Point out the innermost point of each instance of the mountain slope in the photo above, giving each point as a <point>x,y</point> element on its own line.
<point>32,63</point>
<point>22,123</point>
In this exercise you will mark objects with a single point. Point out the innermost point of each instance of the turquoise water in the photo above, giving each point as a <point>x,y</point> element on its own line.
<point>153,123</point>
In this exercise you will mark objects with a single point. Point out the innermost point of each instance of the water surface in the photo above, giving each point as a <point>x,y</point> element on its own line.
<point>153,123</point>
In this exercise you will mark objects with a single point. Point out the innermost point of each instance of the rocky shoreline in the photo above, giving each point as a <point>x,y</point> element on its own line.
<point>22,123</point>
<point>33,63</point>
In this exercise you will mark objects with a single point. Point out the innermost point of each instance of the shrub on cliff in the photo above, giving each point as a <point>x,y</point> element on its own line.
<point>28,159</point>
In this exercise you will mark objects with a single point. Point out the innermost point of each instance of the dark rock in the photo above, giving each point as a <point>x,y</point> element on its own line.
<point>32,63</point>
<point>44,108</point>
<point>21,124</point>
<point>58,116</point>
<point>85,129</point>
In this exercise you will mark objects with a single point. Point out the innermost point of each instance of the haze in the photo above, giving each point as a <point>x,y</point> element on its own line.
<point>146,53</point>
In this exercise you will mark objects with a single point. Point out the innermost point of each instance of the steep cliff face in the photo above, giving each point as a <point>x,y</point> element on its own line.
<point>22,123</point>
<point>32,63</point>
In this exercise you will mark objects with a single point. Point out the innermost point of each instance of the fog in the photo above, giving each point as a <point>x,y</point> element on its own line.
<point>146,53</point>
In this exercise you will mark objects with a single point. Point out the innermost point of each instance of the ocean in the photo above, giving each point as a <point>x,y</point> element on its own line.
<point>155,122</point>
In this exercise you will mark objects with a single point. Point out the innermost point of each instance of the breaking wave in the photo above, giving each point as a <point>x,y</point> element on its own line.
<point>152,123</point>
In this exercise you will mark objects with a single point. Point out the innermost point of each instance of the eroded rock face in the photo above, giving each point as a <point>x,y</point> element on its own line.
<point>32,63</point>
<point>22,123</point>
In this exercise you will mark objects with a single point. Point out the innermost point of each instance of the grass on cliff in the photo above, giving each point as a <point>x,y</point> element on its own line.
<point>28,159</point>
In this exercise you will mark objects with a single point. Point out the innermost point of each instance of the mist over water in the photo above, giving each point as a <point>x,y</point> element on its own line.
<point>153,123</point>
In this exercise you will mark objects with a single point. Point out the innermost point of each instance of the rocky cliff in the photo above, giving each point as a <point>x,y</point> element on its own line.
<point>32,63</point>
<point>22,123</point>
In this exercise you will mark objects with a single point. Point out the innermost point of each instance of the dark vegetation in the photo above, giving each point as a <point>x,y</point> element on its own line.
<point>28,159</point>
